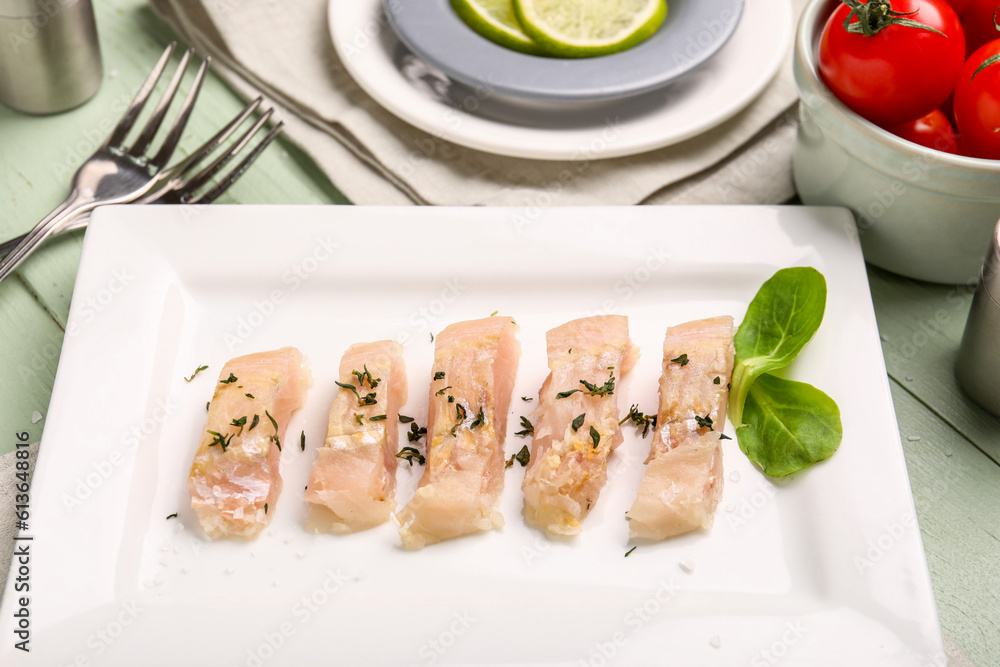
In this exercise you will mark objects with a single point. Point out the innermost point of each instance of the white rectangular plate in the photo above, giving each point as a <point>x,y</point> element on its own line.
<point>823,568</point>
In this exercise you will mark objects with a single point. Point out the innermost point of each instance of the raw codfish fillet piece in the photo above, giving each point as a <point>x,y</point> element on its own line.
<point>234,481</point>
<point>352,485</point>
<point>577,421</point>
<point>683,481</point>
<point>475,364</point>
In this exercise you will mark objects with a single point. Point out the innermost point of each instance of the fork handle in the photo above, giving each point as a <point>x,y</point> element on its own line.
<point>74,205</point>
<point>75,222</point>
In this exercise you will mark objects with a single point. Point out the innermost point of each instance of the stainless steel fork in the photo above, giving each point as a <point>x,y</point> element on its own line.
<point>184,189</point>
<point>116,174</point>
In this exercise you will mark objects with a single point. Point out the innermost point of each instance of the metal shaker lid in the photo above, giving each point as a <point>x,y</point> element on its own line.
<point>26,9</point>
<point>991,267</point>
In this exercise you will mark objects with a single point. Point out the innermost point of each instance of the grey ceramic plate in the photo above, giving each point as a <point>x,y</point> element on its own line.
<point>693,32</point>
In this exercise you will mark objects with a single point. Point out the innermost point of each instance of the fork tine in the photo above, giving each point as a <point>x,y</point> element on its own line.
<point>148,133</point>
<point>139,101</point>
<point>174,136</point>
<point>240,169</point>
<point>188,163</point>
<point>211,170</point>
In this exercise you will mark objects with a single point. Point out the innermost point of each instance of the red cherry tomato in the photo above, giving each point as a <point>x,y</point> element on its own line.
<point>977,103</point>
<point>933,131</point>
<point>960,6</point>
<point>899,73</point>
<point>978,24</point>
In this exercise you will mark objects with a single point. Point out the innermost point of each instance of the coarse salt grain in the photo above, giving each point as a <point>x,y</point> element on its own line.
<point>686,564</point>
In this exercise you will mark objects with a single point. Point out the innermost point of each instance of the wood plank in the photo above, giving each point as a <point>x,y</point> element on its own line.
<point>921,326</point>
<point>28,357</point>
<point>41,153</point>
<point>956,490</point>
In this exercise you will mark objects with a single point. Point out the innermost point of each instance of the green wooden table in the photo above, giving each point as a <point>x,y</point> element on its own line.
<point>952,447</point>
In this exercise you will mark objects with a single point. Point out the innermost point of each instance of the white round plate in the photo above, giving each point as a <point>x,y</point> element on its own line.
<point>482,119</point>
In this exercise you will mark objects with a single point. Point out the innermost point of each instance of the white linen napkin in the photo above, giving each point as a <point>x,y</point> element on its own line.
<point>283,51</point>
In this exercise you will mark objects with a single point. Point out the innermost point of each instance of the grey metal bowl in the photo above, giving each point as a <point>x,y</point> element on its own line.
<point>692,33</point>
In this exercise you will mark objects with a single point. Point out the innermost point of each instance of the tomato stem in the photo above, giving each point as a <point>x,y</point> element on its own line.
<point>986,63</point>
<point>877,15</point>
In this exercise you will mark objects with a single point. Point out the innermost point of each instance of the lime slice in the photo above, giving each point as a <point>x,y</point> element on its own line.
<point>494,20</point>
<point>583,28</point>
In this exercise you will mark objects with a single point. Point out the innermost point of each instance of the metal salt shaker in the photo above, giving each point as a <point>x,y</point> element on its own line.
<point>50,60</point>
<point>978,367</point>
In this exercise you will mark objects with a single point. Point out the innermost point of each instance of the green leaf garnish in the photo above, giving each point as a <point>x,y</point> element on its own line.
<point>522,457</point>
<point>409,454</point>
<point>595,436</point>
<point>219,439</point>
<point>377,418</point>
<point>788,425</point>
<point>442,390</point>
<point>578,422</point>
<point>365,377</point>
<point>526,399</point>
<point>172,516</point>
<point>403,419</point>
<point>781,425</point>
<point>526,425</point>
<point>231,379</point>
<point>682,360</point>
<point>194,375</point>
<point>302,441</point>
<point>639,420</point>
<point>606,389</point>
<point>248,395</point>
<point>704,422</point>
<point>368,399</point>
<point>274,438</point>
<point>631,550</point>
<point>479,420</point>
<point>256,420</point>
<point>780,320</point>
<point>460,412</point>
<point>415,432</point>
<point>439,375</point>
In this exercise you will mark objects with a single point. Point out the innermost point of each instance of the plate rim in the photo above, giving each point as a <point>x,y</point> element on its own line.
<point>449,123</point>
